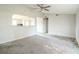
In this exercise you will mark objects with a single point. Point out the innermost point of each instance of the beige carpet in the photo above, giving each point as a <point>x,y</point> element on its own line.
<point>40,44</point>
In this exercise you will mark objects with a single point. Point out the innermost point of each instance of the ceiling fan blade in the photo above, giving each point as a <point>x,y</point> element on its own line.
<point>37,8</point>
<point>39,5</point>
<point>47,6</point>
<point>46,9</point>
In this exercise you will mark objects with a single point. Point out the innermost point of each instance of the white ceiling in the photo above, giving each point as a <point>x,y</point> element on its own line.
<point>59,8</point>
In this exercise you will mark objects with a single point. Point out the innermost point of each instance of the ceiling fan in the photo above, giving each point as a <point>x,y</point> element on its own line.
<point>43,7</point>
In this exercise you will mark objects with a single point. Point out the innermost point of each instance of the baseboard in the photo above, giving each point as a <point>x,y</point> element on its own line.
<point>25,36</point>
<point>17,38</point>
<point>63,36</point>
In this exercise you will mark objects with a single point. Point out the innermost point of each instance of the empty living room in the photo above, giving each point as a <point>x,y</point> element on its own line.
<point>39,28</point>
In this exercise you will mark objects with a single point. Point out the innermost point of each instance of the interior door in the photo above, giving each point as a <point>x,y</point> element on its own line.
<point>39,25</point>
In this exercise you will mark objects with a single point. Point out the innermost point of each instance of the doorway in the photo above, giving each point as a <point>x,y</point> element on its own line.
<point>45,23</point>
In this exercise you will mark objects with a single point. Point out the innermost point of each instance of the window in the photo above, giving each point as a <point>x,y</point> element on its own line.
<point>20,20</point>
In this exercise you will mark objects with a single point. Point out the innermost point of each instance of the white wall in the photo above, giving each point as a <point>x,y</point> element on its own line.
<point>77,28</point>
<point>62,25</point>
<point>9,32</point>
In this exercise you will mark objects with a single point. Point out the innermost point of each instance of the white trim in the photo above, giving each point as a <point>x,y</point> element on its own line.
<point>17,38</point>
